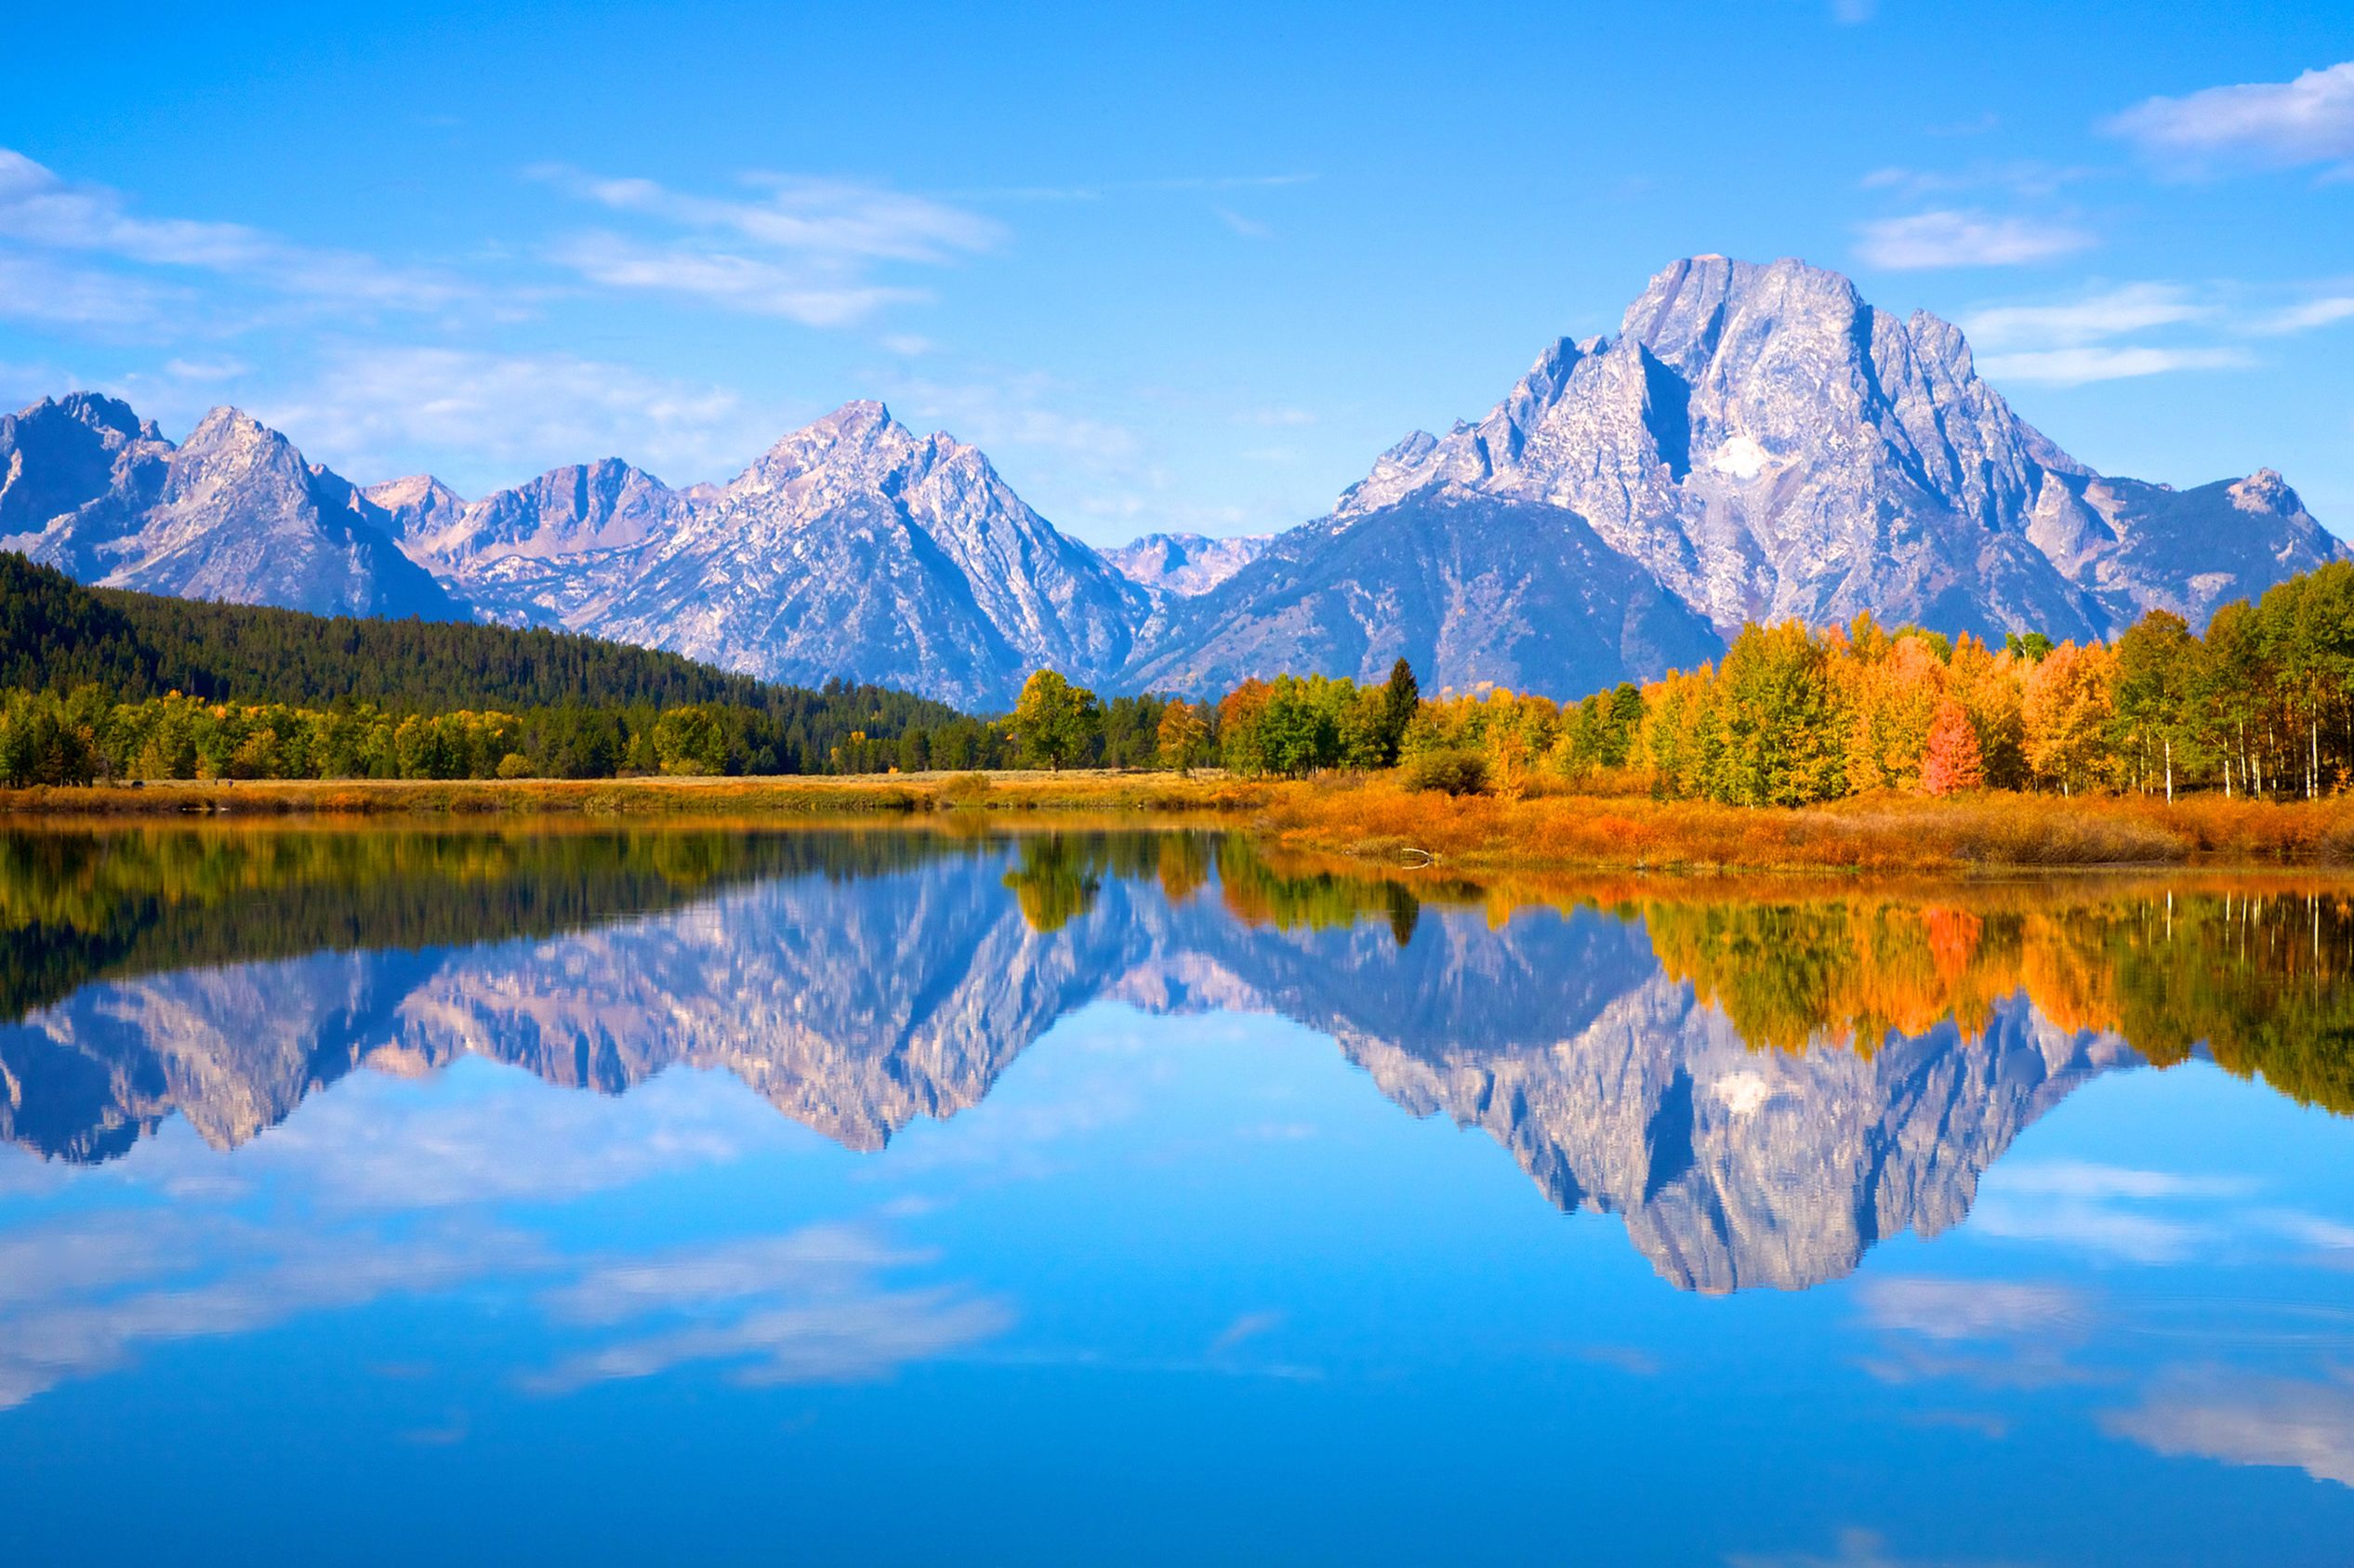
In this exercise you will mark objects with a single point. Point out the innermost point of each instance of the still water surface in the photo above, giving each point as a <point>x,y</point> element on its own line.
<point>886,1197</point>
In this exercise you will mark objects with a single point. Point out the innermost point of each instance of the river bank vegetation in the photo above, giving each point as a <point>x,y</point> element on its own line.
<point>1855,746</point>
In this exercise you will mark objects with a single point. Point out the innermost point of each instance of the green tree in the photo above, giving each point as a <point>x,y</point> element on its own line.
<point>2159,679</point>
<point>1401,699</point>
<point>1779,727</point>
<point>1053,720</point>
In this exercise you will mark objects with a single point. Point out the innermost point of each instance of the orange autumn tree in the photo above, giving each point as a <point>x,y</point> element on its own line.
<point>1953,761</point>
<point>1893,686</point>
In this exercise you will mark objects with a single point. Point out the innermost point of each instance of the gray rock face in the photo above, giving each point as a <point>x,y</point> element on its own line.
<point>1523,594</point>
<point>856,548</point>
<point>556,552</point>
<point>417,507</point>
<point>76,472</point>
<point>1766,445</point>
<point>1757,442</point>
<point>234,513</point>
<point>1186,564</point>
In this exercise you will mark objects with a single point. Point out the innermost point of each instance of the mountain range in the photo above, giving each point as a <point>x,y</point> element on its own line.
<point>1755,443</point>
<point>859,992</point>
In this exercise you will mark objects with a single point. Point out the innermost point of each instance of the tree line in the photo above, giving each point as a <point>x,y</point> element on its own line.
<point>98,684</point>
<point>101,683</point>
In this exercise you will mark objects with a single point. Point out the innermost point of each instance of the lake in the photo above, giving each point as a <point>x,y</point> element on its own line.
<point>591,1194</point>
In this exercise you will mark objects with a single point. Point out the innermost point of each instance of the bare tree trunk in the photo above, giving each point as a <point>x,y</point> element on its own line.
<point>2169,797</point>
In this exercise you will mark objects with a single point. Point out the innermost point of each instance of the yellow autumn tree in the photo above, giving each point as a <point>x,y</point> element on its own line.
<point>2065,712</point>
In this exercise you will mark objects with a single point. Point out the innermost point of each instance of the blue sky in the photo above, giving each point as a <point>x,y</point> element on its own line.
<point>1170,271</point>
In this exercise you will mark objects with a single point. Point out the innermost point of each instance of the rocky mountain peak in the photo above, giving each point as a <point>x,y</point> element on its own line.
<point>1186,564</point>
<point>2266,492</point>
<point>417,506</point>
<point>96,410</point>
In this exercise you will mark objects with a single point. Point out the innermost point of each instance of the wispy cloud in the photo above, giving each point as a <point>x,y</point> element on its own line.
<point>802,248</point>
<point>1957,238</point>
<point>39,291</point>
<point>2020,177</point>
<point>2090,1180</point>
<point>1856,1549</point>
<point>2245,1420</point>
<point>2075,341</point>
<point>2256,125</point>
<point>41,210</point>
<point>794,1308</point>
<point>1969,1309</point>
<point>813,298</point>
<point>2328,310</point>
<point>514,414</point>
<point>1100,190</point>
<point>1248,228</point>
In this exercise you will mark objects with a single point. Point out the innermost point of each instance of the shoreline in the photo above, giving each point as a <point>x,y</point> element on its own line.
<point>1364,819</point>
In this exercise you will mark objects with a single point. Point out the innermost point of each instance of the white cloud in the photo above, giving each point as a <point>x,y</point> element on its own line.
<point>2244,1420</point>
<point>809,216</point>
<point>2111,313</point>
<point>1857,1548</point>
<point>2262,125</point>
<point>738,283</point>
<point>2075,367</point>
<point>2314,313</point>
<point>797,1307</point>
<point>39,209</point>
<point>1097,192</point>
<point>205,371</point>
<point>2090,1180</point>
<point>1965,238</point>
<point>512,414</point>
<point>697,1277</point>
<point>805,249</point>
<point>2023,176</point>
<point>1968,1309</point>
<point>1248,228</point>
<point>2122,1233</point>
<point>36,290</point>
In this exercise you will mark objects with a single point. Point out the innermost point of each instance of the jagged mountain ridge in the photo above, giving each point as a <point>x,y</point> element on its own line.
<point>235,512</point>
<point>1186,564</point>
<point>855,1006</point>
<point>1757,441</point>
<point>1766,444</point>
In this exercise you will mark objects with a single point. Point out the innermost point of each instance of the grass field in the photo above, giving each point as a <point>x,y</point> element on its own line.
<point>1374,818</point>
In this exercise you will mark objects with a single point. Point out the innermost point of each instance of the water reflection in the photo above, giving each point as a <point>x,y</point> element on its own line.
<point>1763,1082</point>
<point>557,1174</point>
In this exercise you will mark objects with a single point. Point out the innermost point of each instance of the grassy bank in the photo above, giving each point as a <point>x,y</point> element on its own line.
<point>1892,833</point>
<point>1375,818</point>
<point>797,796</point>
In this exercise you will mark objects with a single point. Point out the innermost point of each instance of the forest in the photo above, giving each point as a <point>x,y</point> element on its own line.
<point>2260,706</point>
<point>99,684</point>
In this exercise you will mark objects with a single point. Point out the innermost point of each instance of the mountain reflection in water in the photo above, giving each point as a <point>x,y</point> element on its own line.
<point>1764,1081</point>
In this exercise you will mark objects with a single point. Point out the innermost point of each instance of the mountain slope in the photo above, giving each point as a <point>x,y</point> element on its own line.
<point>856,546</point>
<point>1766,444</point>
<point>554,551</point>
<point>75,473</point>
<point>1468,590</point>
<point>1186,564</point>
<point>233,514</point>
